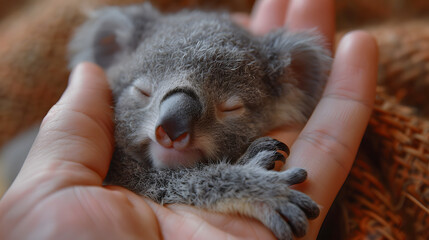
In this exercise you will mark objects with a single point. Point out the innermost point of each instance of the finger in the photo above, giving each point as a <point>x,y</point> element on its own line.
<point>230,224</point>
<point>327,146</point>
<point>75,139</point>
<point>132,210</point>
<point>307,14</point>
<point>241,19</point>
<point>176,224</point>
<point>268,15</point>
<point>310,14</point>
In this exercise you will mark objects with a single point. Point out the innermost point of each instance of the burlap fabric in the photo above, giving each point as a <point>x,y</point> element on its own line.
<point>387,193</point>
<point>388,190</point>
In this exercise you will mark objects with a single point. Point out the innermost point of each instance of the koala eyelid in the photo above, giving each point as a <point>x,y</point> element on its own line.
<point>232,104</point>
<point>232,108</point>
<point>143,91</point>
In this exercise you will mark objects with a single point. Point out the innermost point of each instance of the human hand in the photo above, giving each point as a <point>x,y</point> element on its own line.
<point>326,147</point>
<point>58,193</point>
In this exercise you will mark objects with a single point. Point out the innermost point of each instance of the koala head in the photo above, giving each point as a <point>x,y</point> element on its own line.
<point>193,87</point>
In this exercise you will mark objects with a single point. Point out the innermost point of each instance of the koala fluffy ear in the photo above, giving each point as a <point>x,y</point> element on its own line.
<point>110,34</point>
<point>298,61</point>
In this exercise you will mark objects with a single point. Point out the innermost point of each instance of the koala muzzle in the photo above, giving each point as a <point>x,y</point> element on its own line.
<point>177,116</point>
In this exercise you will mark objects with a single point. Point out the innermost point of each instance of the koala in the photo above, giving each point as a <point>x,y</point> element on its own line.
<point>193,95</point>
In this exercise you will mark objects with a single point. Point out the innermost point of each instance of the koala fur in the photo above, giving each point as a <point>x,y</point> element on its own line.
<point>193,94</point>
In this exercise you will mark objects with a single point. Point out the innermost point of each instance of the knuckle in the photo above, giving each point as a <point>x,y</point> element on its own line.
<point>328,145</point>
<point>345,94</point>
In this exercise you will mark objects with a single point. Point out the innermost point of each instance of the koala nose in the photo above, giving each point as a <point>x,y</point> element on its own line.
<point>177,115</point>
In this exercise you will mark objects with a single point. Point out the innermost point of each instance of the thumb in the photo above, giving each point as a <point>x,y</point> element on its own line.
<point>75,141</point>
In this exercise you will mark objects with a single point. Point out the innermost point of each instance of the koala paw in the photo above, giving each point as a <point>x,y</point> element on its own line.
<point>267,196</point>
<point>286,212</point>
<point>263,152</point>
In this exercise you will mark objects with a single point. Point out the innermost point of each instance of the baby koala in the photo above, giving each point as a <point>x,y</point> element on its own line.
<point>193,94</point>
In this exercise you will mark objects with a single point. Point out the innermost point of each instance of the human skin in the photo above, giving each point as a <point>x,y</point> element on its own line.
<point>59,194</point>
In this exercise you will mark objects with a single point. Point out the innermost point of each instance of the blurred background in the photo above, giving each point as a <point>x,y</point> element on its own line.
<point>387,193</point>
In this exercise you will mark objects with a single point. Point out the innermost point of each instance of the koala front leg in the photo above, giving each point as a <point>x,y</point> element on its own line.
<point>248,188</point>
<point>245,189</point>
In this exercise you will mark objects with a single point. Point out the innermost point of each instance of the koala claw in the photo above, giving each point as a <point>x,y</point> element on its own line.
<point>289,211</point>
<point>294,176</point>
<point>304,202</point>
<point>263,152</point>
<point>267,143</point>
<point>287,217</point>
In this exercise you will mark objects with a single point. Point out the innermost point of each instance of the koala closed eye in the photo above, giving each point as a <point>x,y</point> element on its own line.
<point>232,107</point>
<point>140,93</point>
<point>143,88</point>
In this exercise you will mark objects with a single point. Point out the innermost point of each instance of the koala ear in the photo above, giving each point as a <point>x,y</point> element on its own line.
<point>298,61</point>
<point>110,34</point>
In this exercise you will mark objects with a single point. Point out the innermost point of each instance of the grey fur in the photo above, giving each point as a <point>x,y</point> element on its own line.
<point>269,80</point>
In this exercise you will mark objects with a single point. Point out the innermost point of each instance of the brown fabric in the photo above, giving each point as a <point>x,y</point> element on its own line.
<point>404,61</point>
<point>369,207</point>
<point>388,189</point>
<point>356,13</point>
<point>401,141</point>
<point>387,192</point>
